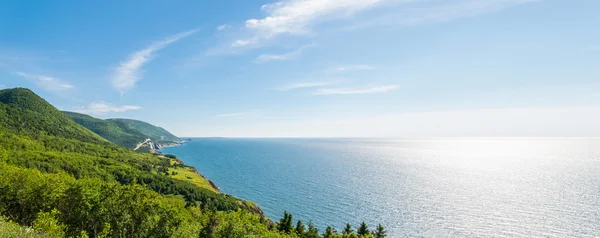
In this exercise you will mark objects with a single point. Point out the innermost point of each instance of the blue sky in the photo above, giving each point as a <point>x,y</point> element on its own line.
<point>312,68</point>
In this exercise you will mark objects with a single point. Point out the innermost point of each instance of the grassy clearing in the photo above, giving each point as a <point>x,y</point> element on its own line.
<point>186,173</point>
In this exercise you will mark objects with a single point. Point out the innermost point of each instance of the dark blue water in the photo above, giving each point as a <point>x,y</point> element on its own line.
<point>415,188</point>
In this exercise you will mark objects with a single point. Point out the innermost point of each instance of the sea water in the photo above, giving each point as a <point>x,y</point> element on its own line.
<point>467,187</point>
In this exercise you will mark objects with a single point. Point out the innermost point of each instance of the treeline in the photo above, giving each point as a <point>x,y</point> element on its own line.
<point>286,226</point>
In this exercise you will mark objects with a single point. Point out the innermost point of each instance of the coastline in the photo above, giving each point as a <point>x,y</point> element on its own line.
<point>191,174</point>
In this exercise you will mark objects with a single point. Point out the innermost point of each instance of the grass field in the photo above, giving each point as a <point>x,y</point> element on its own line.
<point>186,173</point>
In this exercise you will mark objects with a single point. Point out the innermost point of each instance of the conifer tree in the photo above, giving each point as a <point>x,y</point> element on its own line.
<point>329,232</point>
<point>300,229</point>
<point>312,232</point>
<point>380,232</point>
<point>285,224</point>
<point>363,229</point>
<point>348,229</point>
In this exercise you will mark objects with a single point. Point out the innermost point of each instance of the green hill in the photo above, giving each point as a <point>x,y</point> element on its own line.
<point>155,133</point>
<point>114,131</point>
<point>24,112</point>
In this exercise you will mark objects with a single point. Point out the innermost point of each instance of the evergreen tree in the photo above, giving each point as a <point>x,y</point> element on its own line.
<point>300,229</point>
<point>285,224</point>
<point>348,229</point>
<point>312,232</point>
<point>363,229</point>
<point>329,232</point>
<point>380,232</point>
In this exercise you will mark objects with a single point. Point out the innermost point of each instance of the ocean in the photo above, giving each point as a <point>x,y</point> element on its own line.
<point>467,187</point>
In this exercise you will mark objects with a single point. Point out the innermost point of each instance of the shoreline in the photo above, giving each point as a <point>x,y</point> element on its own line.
<point>250,205</point>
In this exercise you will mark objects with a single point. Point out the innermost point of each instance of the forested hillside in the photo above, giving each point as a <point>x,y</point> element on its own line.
<point>155,133</point>
<point>114,131</point>
<point>59,179</point>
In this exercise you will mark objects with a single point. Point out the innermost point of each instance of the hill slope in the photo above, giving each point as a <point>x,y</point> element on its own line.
<point>114,131</point>
<point>155,133</point>
<point>24,112</point>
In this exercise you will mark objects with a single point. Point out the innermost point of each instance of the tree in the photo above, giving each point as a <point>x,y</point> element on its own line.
<point>348,229</point>
<point>329,232</point>
<point>380,232</point>
<point>211,226</point>
<point>363,229</point>
<point>285,224</point>
<point>312,232</point>
<point>300,229</point>
<point>47,223</point>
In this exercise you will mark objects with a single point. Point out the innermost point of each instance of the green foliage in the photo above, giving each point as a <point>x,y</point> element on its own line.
<point>24,112</point>
<point>329,232</point>
<point>348,229</point>
<point>10,229</point>
<point>285,224</point>
<point>300,228</point>
<point>114,131</point>
<point>46,223</point>
<point>155,133</point>
<point>312,232</point>
<point>363,229</point>
<point>380,232</point>
<point>170,156</point>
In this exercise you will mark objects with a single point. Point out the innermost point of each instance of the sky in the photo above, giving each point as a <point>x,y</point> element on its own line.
<point>314,68</point>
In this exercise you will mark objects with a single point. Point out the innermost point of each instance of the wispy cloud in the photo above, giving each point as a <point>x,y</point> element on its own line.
<point>223,27</point>
<point>47,82</point>
<point>348,91</point>
<point>358,67</point>
<point>129,72</point>
<point>305,85</point>
<point>102,108</point>
<point>297,16</point>
<point>280,57</point>
<point>237,114</point>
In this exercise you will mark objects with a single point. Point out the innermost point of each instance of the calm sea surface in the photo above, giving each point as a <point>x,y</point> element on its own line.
<point>415,188</point>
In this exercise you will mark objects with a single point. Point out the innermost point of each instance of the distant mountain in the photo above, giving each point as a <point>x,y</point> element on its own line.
<point>24,112</point>
<point>157,134</point>
<point>114,131</point>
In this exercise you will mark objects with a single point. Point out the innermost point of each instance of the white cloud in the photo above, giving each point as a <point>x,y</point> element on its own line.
<point>347,91</point>
<point>305,85</point>
<point>129,72</point>
<point>102,108</point>
<point>237,114</point>
<point>223,27</point>
<point>359,67</point>
<point>47,82</point>
<point>2,86</point>
<point>239,43</point>
<point>280,57</point>
<point>297,16</point>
